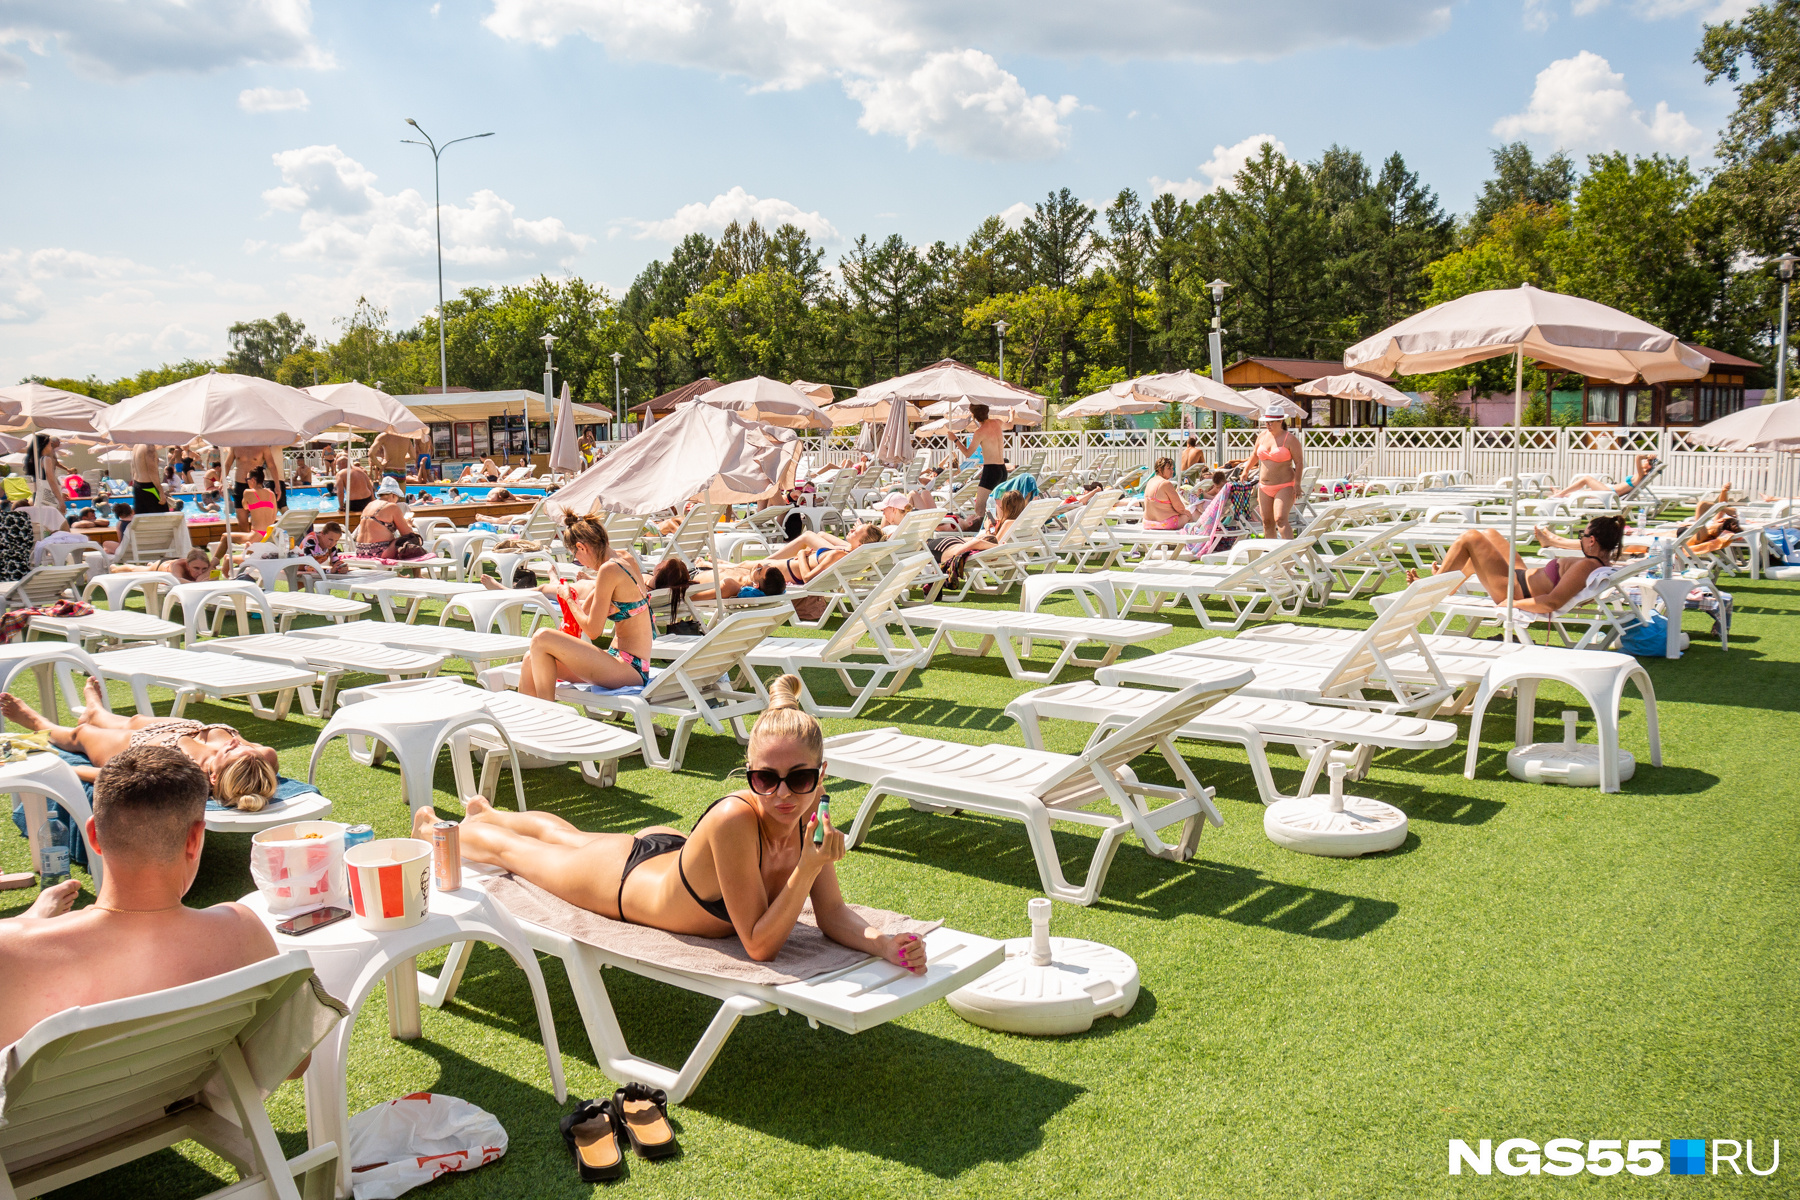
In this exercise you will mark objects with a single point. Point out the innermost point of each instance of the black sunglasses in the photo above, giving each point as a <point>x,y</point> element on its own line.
<point>799,780</point>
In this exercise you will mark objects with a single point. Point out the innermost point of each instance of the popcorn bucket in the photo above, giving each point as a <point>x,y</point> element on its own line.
<point>300,865</point>
<point>388,879</point>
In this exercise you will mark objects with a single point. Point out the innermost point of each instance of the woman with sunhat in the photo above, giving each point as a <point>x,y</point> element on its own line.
<point>1280,459</point>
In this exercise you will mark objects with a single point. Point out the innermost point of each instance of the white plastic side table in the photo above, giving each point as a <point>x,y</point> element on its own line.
<point>350,960</point>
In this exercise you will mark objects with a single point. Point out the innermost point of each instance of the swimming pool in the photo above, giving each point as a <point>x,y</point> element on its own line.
<point>316,498</point>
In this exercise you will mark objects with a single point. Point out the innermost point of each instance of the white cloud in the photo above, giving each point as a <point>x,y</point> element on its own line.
<point>1581,104</point>
<point>735,205</point>
<point>1537,14</point>
<point>1662,10</point>
<point>110,39</point>
<point>344,218</point>
<point>965,102</point>
<point>1220,169</point>
<point>267,100</point>
<point>1015,215</point>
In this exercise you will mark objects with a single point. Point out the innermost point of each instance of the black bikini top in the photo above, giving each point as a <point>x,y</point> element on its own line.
<point>716,907</point>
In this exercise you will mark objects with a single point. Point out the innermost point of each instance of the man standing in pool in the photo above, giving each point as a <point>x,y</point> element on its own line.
<point>354,487</point>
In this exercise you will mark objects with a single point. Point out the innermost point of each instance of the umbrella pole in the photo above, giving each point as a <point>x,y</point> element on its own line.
<point>1512,535</point>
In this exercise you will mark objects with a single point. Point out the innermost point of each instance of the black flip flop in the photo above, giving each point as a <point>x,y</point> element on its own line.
<point>592,1135</point>
<point>643,1114</point>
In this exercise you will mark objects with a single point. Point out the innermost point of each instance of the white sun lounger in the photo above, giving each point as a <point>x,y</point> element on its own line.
<point>330,658</point>
<point>1006,628</point>
<point>1272,583</point>
<point>106,627</point>
<point>1324,635</point>
<point>1316,731</point>
<point>1038,787</point>
<point>189,673</point>
<point>885,664</point>
<point>543,734</point>
<point>695,687</point>
<point>479,650</point>
<point>852,1000</point>
<point>415,592</point>
<point>93,1087</point>
<point>997,570</point>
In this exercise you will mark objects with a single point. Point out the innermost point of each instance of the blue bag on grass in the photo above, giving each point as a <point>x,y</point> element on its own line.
<point>1650,640</point>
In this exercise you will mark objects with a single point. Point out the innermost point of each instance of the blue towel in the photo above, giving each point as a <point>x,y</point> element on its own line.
<point>636,689</point>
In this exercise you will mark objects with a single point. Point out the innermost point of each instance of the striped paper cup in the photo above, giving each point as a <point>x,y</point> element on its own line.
<point>388,882</point>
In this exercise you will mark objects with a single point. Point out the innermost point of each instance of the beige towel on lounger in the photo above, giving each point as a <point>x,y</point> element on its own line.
<point>807,954</point>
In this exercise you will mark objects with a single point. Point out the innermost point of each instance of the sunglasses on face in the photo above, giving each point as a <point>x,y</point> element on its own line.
<point>764,782</point>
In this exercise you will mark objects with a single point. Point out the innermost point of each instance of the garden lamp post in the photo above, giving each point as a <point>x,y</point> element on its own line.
<point>1784,267</point>
<point>1215,344</point>
<point>437,199</point>
<point>618,395</point>
<point>1000,328</point>
<point>549,340</point>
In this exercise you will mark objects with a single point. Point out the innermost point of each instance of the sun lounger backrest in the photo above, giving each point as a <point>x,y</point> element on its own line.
<point>153,537</point>
<point>1372,549</point>
<point>87,1071</point>
<point>1029,527</point>
<point>1117,748</point>
<point>909,536</point>
<point>695,530</point>
<point>870,614</point>
<point>42,585</point>
<point>712,658</point>
<point>1389,634</point>
<point>838,494</point>
<point>294,522</point>
<point>860,566</point>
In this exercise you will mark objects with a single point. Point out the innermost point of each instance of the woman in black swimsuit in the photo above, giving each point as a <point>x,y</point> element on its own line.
<point>746,869</point>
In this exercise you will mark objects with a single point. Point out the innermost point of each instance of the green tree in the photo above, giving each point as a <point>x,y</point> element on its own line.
<point>1519,179</point>
<point>888,286</point>
<point>259,346</point>
<point>1041,320</point>
<point>1272,234</point>
<point>1060,234</point>
<point>1126,244</point>
<point>1180,236</point>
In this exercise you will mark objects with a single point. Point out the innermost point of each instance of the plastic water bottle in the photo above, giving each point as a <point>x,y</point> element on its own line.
<point>53,851</point>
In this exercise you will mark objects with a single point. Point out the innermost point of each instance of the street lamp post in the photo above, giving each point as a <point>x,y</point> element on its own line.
<point>1215,344</point>
<point>618,395</point>
<point>549,340</point>
<point>437,199</point>
<point>1000,328</point>
<point>1784,267</point>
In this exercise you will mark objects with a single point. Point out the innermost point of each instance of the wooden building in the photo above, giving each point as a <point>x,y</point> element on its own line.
<point>506,425</point>
<point>1282,374</point>
<point>663,405</point>
<point>1719,393</point>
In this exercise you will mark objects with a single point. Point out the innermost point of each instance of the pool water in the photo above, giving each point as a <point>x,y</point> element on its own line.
<point>315,497</point>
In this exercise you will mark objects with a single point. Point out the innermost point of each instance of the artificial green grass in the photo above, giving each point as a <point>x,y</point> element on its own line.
<point>1534,962</point>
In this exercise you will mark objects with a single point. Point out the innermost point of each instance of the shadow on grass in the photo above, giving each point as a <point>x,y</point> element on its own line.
<point>996,850</point>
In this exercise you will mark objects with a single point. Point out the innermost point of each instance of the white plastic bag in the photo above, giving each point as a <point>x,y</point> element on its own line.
<point>403,1143</point>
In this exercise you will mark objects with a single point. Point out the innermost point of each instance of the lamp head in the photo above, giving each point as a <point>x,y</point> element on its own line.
<point>1218,287</point>
<point>414,124</point>
<point>1002,326</point>
<point>616,356</point>
<point>1784,267</point>
<point>549,339</point>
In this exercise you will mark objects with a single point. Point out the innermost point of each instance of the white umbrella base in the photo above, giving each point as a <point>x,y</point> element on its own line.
<point>1312,825</point>
<point>1559,762</point>
<point>1083,980</point>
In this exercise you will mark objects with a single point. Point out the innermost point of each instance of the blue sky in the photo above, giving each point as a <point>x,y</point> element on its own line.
<point>174,166</point>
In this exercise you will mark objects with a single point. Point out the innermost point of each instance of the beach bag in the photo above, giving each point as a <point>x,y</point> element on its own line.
<point>1649,640</point>
<point>570,625</point>
<point>409,546</point>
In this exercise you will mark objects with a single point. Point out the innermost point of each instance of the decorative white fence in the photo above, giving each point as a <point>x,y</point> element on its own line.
<point>1486,452</point>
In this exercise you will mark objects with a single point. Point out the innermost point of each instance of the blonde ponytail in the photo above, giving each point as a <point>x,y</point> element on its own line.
<point>784,720</point>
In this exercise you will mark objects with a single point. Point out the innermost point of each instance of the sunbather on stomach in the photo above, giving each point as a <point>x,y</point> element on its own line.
<point>745,869</point>
<point>1485,554</point>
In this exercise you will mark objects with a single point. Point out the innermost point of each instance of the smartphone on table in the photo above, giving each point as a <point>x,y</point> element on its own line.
<point>306,922</point>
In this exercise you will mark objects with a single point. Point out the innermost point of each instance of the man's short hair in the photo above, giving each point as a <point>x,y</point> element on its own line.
<point>979,412</point>
<point>145,801</point>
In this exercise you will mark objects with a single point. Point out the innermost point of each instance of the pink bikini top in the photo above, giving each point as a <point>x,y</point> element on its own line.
<point>1279,454</point>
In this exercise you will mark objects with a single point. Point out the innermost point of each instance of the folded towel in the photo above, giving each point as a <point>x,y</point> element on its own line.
<point>807,954</point>
<point>636,689</point>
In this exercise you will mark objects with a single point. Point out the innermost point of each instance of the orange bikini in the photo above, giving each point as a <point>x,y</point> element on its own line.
<point>1279,454</point>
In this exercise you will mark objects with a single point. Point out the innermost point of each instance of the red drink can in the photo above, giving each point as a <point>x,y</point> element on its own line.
<point>446,855</point>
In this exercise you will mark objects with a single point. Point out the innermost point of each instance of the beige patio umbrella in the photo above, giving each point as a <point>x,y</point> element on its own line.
<point>1187,388</point>
<point>1264,399</point>
<point>896,446</point>
<point>1526,322</point>
<point>1764,427</point>
<point>368,408</point>
<point>1352,386</point>
<point>948,379</point>
<point>819,393</point>
<point>29,407</point>
<point>769,402</point>
<point>855,410</point>
<point>565,447</point>
<point>225,409</point>
<point>1006,414</point>
<point>695,451</point>
<point>1109,404</point>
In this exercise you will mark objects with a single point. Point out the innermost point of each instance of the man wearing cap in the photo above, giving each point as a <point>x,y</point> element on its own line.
<point>1280,459</point>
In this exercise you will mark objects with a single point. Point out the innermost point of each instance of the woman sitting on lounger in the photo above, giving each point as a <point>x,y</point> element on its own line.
<point>617,595</point>
<point>952,551</point>
<point>242,773</point>
<point>1485,554</point>
<point>746,869</point>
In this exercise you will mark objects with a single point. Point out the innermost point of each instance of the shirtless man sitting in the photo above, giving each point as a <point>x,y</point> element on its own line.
<point>149,826</point>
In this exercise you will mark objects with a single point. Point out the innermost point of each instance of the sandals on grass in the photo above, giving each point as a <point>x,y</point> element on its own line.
<point>644,1114</point>
<point>592,1135</point>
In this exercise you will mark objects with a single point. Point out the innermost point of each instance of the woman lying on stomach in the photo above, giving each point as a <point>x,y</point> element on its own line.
<point>746,869</point>
<point>242,773</point>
